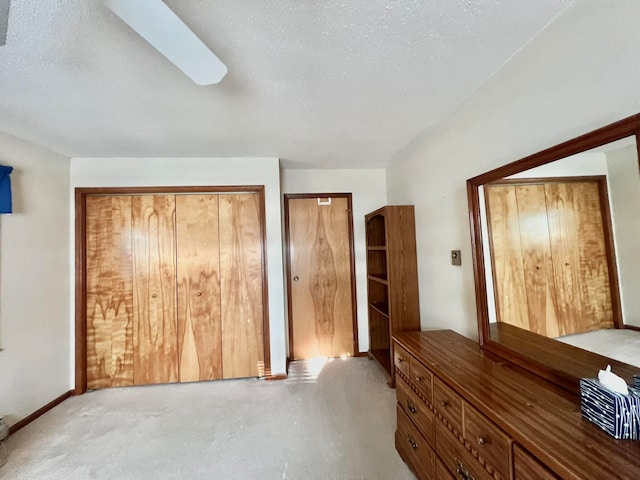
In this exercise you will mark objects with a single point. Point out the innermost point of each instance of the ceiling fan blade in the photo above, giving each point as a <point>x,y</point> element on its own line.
<point>154,21</point>
<point>4,21</point>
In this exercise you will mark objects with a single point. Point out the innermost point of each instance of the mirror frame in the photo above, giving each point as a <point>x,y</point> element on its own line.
<point>555,361</point>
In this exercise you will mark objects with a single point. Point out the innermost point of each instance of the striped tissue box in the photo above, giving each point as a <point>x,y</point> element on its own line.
<point>616,414</point>
<point>636,381</point>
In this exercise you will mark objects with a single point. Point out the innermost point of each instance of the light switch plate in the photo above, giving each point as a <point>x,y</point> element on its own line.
<point>456,259</point>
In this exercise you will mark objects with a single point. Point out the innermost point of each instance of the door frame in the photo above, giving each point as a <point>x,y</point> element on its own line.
<point>352,264</point>
<point>81,194</point>
<point>607,226</point>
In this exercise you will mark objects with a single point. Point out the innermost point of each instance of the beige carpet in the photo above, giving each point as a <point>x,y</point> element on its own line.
<point>620,344</point>
<point>331,421</point>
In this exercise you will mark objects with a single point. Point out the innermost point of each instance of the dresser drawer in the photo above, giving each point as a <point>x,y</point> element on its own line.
<point>448,404</point>
<point>401,359</point>
<point>441,471</point>
<point>456,458</point>
<point>416,410</point>
<point>526,467</point>
<point>491,443</point>
<point>413,448</point>
<point>422,379</point>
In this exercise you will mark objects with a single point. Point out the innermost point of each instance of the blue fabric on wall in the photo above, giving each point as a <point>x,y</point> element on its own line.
<point>5,189</point>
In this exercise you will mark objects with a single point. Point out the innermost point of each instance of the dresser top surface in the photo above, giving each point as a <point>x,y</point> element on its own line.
<point>541,417</point>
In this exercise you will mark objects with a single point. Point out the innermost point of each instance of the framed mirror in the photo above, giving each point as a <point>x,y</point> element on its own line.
<point>556,254</point>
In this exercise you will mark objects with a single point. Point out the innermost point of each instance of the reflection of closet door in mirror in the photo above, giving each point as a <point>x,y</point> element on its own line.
<point>580,258</point>
<point>109,295</point>
<point>549,258</point>
<point>241,285</point>
<point>198,275</point>
<point>154,289</point>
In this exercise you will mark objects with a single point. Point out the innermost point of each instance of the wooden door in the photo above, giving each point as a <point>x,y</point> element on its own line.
<point>154,289</point>
<point>549,256</point>
<point>578,246</point>
<point>175,288</point>
<point>320,278</point>
<point>198,305</point>
<point>109,294</point>
<point>241,288</point>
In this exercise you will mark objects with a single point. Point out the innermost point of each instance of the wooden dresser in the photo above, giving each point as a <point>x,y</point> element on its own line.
<point>464,414</point>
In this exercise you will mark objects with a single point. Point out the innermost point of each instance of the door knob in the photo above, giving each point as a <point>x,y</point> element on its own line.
<point>296,278</point>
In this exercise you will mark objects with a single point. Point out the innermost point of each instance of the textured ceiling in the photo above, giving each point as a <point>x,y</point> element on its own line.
<point>318,83</point>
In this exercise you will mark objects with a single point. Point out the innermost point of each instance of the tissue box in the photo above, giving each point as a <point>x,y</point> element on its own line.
<point>616,414</point>
<point>636,381</point>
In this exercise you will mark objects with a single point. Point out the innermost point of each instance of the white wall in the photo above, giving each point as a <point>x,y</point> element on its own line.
<point>624,196</point>
<point>34,273</point>
<point>129,172</point>
<point>579,74</point>
<point>582,164</point>
<point>368,189</point>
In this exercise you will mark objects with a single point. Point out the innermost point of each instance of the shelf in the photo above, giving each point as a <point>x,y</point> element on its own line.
<point>380,278</point>
<point>383,356</point>
<point>392,280</point>
<point>381,307</point>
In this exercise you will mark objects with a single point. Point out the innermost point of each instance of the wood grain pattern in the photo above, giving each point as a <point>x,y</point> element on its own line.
<point>441,471</point>
<point>559,230</point>
<point>154,287</point>
<point>241,286</point>
<point>526,467</point>
<point>592,255</point>
<point>109,294</point>
<point>198,275</point>
<point>402,267</point>
<point>543,419</point>
<point>322,310</point>
<point>566,362</point>
<point>563,238</point>
<point>507,257</point>
<point>413,447</point>
<point>538,266</point>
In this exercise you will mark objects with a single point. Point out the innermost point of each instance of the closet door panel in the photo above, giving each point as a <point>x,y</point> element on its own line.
<point>506,248</point>
<point>198,269</point>
<point>580,256</point>
<point>109,279</point>
<point>154,286</point>
<point>241,285</point>
<point>537,260</point>
<point>594,267</point>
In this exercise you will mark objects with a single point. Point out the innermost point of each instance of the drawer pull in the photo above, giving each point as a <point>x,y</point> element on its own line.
<point>411,408</point>
<point>401,359</point>
<point>419,378</point>
<point>413,444</point>
<point>462,472</point>
<point>482,441</point>
<point>444,403</point>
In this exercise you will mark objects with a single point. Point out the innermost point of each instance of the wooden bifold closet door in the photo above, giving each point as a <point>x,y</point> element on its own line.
<point>174,287</point>
<point>549,256</point>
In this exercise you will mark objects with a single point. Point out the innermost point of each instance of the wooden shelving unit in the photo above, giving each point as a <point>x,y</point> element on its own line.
<point>392,285</point>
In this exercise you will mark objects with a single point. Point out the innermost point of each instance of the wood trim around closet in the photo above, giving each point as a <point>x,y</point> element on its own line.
<point>287,239</point>
<point>81,194</point>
